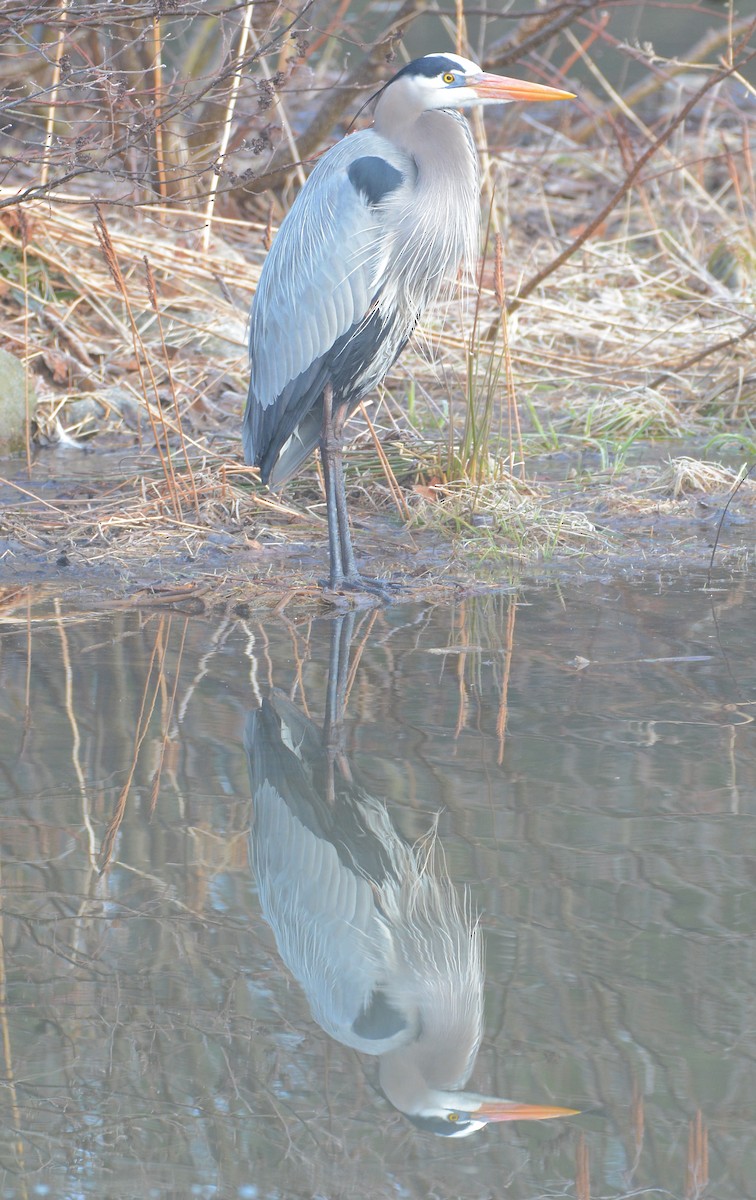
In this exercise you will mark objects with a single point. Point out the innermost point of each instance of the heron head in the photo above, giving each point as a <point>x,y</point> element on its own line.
<point>458,1114</point>
<point>449,81</point>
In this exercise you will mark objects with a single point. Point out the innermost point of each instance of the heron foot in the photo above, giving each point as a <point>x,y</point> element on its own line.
<point>367,585</point>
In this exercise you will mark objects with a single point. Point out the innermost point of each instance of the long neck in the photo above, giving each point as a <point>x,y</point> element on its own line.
<point>403,1082</point>
<point>413,1075</point>
<point>437,139</point>
<point>443,213</point>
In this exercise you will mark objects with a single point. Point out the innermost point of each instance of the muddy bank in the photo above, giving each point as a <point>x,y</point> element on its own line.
<point>104,539</point>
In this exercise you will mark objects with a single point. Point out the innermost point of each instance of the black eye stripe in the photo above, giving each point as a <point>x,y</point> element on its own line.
<point>432,64</point>
<point>440,1124</point>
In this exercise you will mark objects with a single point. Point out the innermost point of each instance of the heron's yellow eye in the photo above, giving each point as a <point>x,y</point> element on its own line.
<point>449,78</point>
<point>452,1116</point>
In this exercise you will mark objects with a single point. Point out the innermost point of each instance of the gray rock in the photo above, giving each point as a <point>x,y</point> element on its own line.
<point>125,404</point>
<point>13,404</point>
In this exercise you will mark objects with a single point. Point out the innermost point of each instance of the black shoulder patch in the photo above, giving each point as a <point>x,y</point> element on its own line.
<point>374,177</point>
<point>379,1019</point>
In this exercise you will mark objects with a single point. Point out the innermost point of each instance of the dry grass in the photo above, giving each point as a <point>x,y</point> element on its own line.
<point>504,518</point>
<point>134,337</point>
<point>692,475</point>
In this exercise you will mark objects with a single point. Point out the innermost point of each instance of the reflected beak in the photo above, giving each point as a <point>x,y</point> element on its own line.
<point>498,87</point>
<point>510,1110</point>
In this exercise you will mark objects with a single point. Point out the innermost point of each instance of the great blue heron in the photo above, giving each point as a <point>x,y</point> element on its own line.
<point>370,925</point>
<point>385,218</point>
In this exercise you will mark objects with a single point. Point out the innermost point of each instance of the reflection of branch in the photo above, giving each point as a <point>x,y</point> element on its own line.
<point>159,651</point>
<point>75,735</point>
<point>167,722</point>
<point>9,1079</point>
<point>631,177</point>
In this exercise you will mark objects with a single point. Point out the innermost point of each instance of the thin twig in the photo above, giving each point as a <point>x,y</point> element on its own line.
<point>156,309</point>
<point>157,75</point>
<point>140,354</point>
<point>50,126</point>
<point>227,125</point>
<point>738,485</point>
<point>725,344</point>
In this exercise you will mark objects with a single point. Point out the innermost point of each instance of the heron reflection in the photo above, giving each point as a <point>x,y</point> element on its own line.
<point>370,925</point>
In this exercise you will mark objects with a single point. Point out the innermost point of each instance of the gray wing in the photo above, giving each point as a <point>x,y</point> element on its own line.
<point>328,929</point>
<point>320,279</point>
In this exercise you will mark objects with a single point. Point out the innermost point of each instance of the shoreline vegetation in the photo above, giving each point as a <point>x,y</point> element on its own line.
<point>587,402</point>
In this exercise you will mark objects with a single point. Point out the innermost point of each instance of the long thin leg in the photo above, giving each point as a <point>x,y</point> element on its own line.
<point>344,574</point>
<point>336,566</point>
<point>348,561</point>
<point>342,630</point>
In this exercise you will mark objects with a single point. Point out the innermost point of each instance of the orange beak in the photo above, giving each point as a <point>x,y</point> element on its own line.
<point>498,87</point>
<point>510,1110</point>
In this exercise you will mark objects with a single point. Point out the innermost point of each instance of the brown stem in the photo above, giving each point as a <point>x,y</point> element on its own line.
<point>724,344</point>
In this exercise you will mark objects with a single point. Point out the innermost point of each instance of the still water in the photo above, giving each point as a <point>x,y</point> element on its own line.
<point>587,754</point>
